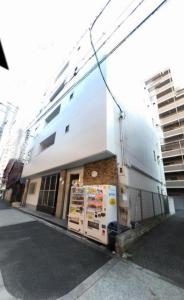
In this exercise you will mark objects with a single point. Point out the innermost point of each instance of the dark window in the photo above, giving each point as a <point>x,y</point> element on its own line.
<point>48,142</point>
<point>60,88</point>
<point>62,71</point>
<point>71,96</point>
<point>67,128</point>
<point>48,193</point>
<point>75,71</point>
<point>53,114</point>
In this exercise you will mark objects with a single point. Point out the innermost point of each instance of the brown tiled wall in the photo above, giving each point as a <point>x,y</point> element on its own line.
<point>106,169</point>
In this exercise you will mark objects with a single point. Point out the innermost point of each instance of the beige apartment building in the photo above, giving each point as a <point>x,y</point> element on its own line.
<point>170,104</point>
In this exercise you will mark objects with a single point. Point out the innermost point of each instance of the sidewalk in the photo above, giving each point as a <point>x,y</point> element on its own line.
<point>123,280</point>
<point>44,216</point>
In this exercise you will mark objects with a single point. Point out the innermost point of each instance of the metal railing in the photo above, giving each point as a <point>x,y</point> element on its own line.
<point>145,204</point>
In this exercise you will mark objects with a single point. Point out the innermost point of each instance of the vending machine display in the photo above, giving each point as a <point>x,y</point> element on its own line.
<point>100,210</point>
<point>76,210</point>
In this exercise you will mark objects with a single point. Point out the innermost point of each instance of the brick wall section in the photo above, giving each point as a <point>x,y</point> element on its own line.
<point>106,169</point>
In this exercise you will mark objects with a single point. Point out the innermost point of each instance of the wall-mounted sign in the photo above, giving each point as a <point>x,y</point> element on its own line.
<point>94,174</point>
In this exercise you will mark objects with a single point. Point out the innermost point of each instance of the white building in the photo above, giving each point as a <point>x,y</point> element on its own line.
<point>169,104</point>
<point>8,114</point>
<point>81,135</point>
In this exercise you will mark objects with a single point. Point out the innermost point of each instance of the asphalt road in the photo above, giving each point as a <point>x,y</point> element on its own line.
<point>162,249</point>
<point>40,262</point>
<point>4,205</point>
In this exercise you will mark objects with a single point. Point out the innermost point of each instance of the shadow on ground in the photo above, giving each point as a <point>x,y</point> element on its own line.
<point>162,249</point>
<point>39,262</point>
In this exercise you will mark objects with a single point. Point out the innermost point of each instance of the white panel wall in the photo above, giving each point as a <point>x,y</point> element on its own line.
<point>85,113</point>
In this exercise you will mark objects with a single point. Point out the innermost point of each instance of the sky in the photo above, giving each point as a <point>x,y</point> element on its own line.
<point>38,34</point>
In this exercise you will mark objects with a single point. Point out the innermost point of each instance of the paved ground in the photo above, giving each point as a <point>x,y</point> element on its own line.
<point>4,205</point>
<point>38,261</point>
<point>162,249</point>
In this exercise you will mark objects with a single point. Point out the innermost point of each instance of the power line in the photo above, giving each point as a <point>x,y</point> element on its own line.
<point>108,54</point>
<point>95,52</point>
<point>103,77</point>
<point>119,25</point>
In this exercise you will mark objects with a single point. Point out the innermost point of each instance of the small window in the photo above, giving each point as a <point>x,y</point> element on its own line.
<point>67,128</point>
<point>154,154</point>
<point>71,96</point>
<point>53,115</point>
<point>75,71</point>
<point>48,142</point>
<point>32,188</point>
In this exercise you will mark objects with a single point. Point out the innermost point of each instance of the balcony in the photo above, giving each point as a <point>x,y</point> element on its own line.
<point>172,118</point>
<point>166,97</point>
<point>175,184</point>
<point>171,106</point>
<point>171,153</point>
<point>176,131</point>
<point>159,79</point>
<point>174,168</point>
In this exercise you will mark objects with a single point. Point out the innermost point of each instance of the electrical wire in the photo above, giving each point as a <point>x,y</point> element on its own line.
<point>96,56</point>
<point>110,52</point>
<point>119,25</point>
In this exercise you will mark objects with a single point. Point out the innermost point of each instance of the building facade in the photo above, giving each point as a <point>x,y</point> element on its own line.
<point>7,135</point>
<point>169,102</point>
<point>81,137</point>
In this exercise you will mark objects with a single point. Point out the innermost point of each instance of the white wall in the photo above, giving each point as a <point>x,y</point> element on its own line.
<point>32,199</point>
<point>86,116</point>
<point>140,137</point>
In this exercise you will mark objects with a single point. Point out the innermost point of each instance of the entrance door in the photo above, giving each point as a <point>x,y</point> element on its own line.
<point>74,180</point>
<point>73,177</point>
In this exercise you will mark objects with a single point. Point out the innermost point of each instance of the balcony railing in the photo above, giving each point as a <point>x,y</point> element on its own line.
<point>171,153</point>
<point>152,82</point>
<point>174,168</point>
<point>166,97</point>
<point>170,106</point>
<point>172,118</point>
<point>175,183</point>
<point>174,132</point>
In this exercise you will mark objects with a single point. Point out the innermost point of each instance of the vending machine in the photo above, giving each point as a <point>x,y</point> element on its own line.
<point>76,210</point>
<point>100,210</point>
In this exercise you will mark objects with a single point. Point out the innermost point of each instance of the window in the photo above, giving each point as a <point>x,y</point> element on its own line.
<point>154,154</point>
<point>53,115</point>
<point>60,88</point>
<point>48,142</point>
<point>71,96</point>
<point>32,188</point>
<point>48,193</point>
<point>75,71</point>
<point>62,71</point>
<point>67,128</point>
